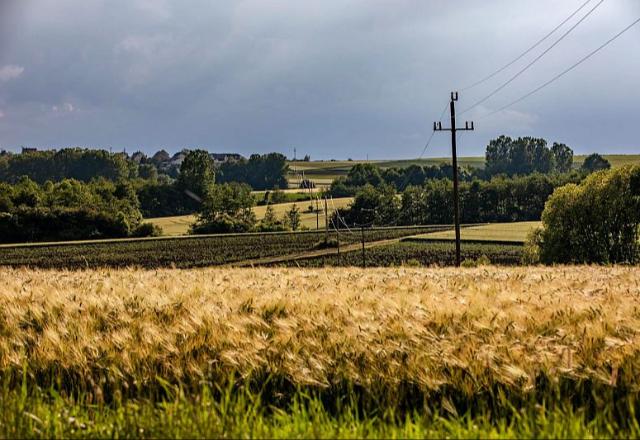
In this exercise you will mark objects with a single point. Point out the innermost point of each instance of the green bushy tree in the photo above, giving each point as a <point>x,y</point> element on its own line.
<point>197,172</point>
<point>594,162</point>
<point>226,208</point>
<point>596,221</point>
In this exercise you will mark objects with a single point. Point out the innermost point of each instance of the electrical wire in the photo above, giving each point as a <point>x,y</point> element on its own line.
<point>535,60</point>
<point>526,52</point>
<point>433,132</point>
<point>564,72</point>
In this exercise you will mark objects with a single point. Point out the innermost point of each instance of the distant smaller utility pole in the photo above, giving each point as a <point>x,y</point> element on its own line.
<point>294,153</point>
<point>437,126</point>
<point>326,221</point>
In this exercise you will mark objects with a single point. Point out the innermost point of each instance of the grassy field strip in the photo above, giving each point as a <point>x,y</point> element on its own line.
<point>501,232</point>
<point>179,225</point>
<point>323,172</point>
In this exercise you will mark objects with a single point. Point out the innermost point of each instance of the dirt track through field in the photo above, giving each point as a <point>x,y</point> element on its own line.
<point>312,254</point>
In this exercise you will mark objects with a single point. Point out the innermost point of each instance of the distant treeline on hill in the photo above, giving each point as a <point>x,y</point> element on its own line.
<point>84,193</point>
<point>504,156</point>
<point>165,185</point>
<point>501,199</point>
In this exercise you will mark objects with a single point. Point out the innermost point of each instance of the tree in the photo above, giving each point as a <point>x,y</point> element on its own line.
<point>226,208</point>
<point>595,162</point>
<point>596,221</point>
<point>497,155</point>
<point>197,172</point>
<point>563,156</point>
<point>270,222</point>
<point>147,171</point>
<point>376,205</point>
<point>261,172</point>
<point>362,174</point>
<point>524,155</point>
<point>293,218</point>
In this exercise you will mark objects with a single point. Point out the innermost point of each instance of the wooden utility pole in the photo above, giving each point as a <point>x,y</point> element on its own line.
<point>338,241</point>
<point>437,126</point>
<point>326,221</point>
<point>364,260</point>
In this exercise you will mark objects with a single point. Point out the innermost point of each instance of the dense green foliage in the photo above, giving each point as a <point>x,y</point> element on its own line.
<point>526,155</point>
<point>501,199</point>
<point>363,174</point>
<point>68,163</point>
<point>186,252</point>
<point>261,172</point>
<point>226,208</point>
<point>68,210</point>
<point>504,156</point>
<point>165,185</point>
<point>594,162</point>
<point>196,173</point>
<point>596,221</point>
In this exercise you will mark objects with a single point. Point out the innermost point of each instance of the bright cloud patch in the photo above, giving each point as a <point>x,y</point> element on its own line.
<point>10,72</point>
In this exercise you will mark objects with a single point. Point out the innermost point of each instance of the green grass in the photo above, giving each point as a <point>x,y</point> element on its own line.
<point>323,172</point>
<point>241,413</point>
<point>502,232</point>
<point>179,225</point>
<point>195,251</point>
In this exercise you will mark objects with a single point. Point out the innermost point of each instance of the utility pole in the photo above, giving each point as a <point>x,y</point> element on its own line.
<point>317,214</point>
<point>338,241</point>
<point>326,221</point>
<point>364,261</point>
<point>437,126</point>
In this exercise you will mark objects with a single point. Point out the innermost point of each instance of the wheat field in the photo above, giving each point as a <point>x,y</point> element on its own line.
<point>470,329</point>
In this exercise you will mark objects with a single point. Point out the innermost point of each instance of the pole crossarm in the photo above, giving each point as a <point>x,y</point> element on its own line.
<point>468,126</point>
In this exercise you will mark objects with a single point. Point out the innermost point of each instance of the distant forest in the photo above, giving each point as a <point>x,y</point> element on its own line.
<point>77,193</point>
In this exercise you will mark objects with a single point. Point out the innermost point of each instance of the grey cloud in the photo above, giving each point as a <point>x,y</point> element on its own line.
<point>333,78</point>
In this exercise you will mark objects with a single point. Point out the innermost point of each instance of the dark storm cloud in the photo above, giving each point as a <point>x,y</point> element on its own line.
<point>333,78</point>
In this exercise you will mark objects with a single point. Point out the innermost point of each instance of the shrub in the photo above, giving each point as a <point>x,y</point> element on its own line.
<point>595,162</point>
<point>278,196</point>
<point>53,224</point>
<point>594,222</point>
<point>147,230</point>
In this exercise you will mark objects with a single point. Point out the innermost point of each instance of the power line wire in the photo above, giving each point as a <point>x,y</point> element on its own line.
<point>526,52</point>
<point>433,132</point>
<point>535,60</point>
<point>564,72</point>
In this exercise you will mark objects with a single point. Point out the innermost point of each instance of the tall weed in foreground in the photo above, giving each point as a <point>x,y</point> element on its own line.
<point>239,412</point>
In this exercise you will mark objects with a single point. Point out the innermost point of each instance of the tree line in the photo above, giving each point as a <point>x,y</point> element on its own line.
<point>504,157</point>
<point>162,189</point>
<point>501,199</point>
<point>69,210</point>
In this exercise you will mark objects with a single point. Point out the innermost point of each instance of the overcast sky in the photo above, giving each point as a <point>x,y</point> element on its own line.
<point>333,78</point>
